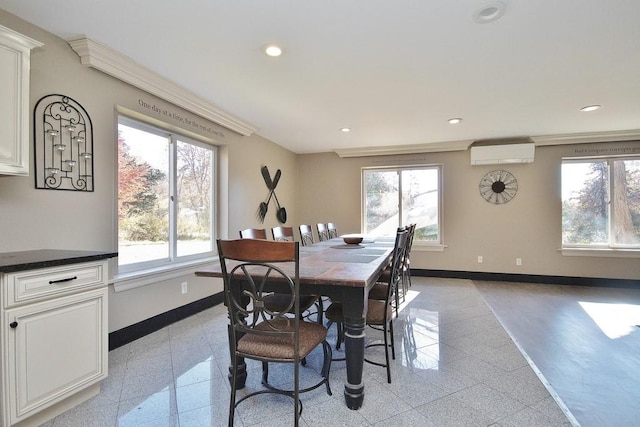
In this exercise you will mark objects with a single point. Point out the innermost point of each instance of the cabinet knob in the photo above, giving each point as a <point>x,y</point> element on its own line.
<point>13,325</point>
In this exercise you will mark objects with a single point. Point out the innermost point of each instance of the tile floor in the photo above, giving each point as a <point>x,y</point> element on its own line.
<point>455,366</point>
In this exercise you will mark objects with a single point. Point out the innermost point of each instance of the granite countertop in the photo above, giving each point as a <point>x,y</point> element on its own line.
<point>30,260</point>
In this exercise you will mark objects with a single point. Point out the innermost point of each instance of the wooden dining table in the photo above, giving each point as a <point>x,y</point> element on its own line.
<point>343,273</point>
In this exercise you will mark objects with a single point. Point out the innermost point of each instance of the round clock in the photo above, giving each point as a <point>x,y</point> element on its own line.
<point>498,187</point>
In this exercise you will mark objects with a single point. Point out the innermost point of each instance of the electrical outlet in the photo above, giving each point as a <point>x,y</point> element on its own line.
<point>480,259</point>
<point>184,287</point>
<point>518,261</point>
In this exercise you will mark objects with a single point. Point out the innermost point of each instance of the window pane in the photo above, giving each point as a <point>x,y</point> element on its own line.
<point>143,196</point>
<point>585,207</point>
<point>193,191</point>
<point>626,202</point>
<point>381,202</point>
<point>420,202</point>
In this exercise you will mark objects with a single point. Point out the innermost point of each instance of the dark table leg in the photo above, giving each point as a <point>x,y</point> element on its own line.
<point>354,324</point>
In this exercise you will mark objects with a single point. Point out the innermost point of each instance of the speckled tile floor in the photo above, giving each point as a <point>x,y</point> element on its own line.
<point>455,366</point>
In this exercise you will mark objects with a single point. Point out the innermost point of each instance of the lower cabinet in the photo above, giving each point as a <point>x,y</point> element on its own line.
<point>55,345</point>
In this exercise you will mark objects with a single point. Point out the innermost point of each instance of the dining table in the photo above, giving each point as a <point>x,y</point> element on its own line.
<point>343,272</point>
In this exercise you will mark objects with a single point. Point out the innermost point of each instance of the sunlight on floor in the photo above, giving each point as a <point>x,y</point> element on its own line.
<point>615,320</point>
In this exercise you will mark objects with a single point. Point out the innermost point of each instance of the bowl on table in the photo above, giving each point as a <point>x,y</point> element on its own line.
<point>352,240</point>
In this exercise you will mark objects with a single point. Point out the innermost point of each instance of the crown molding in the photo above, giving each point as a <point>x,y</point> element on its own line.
<point>434,147</point>
<point>101,57</point>
<point>587,137</point>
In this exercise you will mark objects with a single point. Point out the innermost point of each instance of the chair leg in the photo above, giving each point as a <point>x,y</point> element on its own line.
<point>265,373</point>
<point>232,400</point>
<point>326,365</point>
<point>386,355</point>
<point>340,334</point>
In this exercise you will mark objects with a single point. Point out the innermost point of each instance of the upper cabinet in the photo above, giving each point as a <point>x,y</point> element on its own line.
<point>15,50</point>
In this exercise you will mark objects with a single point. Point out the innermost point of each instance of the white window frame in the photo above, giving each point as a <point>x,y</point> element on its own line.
<point>172,266</point>
<point>610,249</point>
<point>425,245</point>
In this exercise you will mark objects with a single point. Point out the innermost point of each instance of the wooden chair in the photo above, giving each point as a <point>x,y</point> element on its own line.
<point>323,232</point>
<point>282,233</point>
<point>379,311</point>
<point>333,231</point>
<point>262,334</point>
<point>253,233</point>
<point>306,235</point>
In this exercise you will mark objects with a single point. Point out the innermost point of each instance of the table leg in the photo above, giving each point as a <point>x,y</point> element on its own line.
<point>354,352</point>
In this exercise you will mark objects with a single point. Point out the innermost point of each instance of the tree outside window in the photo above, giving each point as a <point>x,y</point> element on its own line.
<point>396,197</point>
<point>601,203</point>
<point>165,196</point>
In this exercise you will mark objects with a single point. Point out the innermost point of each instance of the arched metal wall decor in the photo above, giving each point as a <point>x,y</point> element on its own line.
<point>63,138</point>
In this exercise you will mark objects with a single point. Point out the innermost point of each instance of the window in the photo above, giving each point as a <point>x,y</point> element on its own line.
<point>601,203</point>
<point>395,197</point>
<point>165,197</point>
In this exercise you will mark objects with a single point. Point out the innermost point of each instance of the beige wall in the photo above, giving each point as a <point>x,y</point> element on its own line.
<point>313,188</point>
<point>36,219</point>
<point>528,227</point>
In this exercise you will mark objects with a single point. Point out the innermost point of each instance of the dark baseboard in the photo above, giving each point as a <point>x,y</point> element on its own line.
<point>131,333</point>
<point>530,278</point>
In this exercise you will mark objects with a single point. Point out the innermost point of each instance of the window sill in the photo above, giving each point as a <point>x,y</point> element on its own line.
<point>600,252</point>
<point>428,247</point>
<point>136,279</point>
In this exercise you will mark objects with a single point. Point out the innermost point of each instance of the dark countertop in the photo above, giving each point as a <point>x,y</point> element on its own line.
<point>30,260</point>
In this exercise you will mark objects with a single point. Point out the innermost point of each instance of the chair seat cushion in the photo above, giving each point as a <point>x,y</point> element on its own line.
<point>279,302</point>
<point>334,312</point>
<point>379,291</point>
<point>281,347</point>
<point>376,312</point>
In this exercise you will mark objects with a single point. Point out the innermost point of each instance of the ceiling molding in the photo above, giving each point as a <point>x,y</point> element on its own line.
<point>587,137</point>
<point>435,147</point>
<point>101,57</point>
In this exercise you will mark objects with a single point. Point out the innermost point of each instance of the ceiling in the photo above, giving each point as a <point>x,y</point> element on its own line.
<point>392,71</point>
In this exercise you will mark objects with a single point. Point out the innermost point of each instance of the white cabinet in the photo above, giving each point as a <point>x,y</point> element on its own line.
<point>54,336</point>
<point>15,52</point>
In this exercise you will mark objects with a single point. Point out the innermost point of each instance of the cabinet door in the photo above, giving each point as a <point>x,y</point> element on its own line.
<point>55,348</point>
<point>14,102</point>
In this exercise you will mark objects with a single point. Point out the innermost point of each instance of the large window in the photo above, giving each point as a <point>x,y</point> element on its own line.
<point>601,203</point>
<point>395,197</point>
<point>165,197</point>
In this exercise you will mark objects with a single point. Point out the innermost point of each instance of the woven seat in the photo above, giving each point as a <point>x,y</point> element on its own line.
<point>249,268</point>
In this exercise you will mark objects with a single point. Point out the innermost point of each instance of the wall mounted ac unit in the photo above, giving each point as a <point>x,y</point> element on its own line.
<point>501,154</point>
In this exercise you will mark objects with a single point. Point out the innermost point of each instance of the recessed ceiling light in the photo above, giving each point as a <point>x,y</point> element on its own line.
<point>591,107</point>
<point>454,121</point>
<point>345,130</point>
<point>489,12</point>
<point>273,50</point>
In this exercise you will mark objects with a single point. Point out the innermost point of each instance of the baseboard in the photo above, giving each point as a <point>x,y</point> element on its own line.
<point>530,278</point>
<point>131,333</point>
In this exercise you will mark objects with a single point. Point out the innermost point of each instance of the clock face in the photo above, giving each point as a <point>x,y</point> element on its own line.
<point>498,187</point>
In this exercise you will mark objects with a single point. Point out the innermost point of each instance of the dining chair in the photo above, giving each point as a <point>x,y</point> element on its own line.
<point>323,232</point>
<point>306,235</point>
<point>379,289</point>
<point>276,301</point>
<point>282,233</point>
<point>379,311</point>
<point>258,333</point>
<point>253,233</point>
<point>332,230</point>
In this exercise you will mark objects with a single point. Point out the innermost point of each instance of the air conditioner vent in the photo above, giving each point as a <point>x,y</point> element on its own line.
<point>502,154</point>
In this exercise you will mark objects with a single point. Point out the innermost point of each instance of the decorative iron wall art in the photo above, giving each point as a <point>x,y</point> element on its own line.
<point>281,212</point>
<point>63,138</point>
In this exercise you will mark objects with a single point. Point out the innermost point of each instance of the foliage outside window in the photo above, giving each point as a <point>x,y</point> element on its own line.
<point>601,203</point>
<point>165,197</point>
<point>396,197</point>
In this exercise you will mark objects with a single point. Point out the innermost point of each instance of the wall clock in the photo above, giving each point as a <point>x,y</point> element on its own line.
<point>498,187</point>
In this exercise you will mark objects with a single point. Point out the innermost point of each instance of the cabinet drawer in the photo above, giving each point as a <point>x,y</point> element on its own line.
<point>43,283</point>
